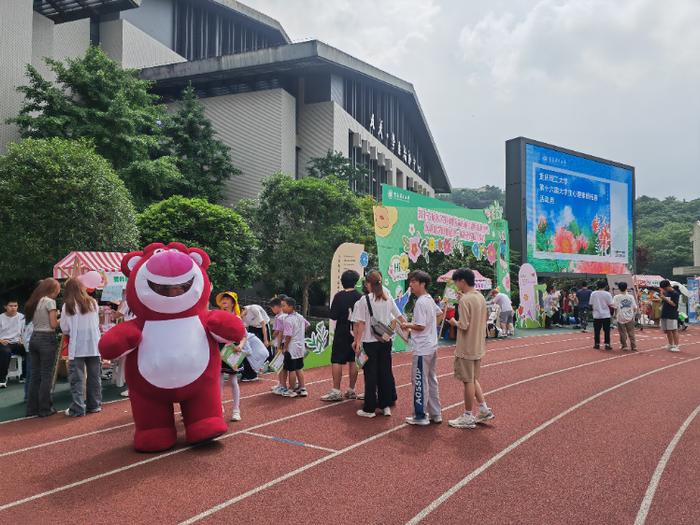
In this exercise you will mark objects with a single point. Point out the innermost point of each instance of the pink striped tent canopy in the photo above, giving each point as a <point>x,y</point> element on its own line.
<point>78,263</point>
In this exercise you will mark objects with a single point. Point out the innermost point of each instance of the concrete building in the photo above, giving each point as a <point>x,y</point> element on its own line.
<point>277,104</point>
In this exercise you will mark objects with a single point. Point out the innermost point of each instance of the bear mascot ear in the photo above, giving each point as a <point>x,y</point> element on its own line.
<point>200,257</point>
<point>129,261</point>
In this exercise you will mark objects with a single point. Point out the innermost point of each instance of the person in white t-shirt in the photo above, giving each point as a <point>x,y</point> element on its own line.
<point>275,305</point>
<point>505,318</point>
<point>255,319</point>
<point>625,310</point>
<point>601,301</point>
<point>380,387</point>
<point>294,345</point>
<point>11,326</point>
<point>424,344</point>
<point>80,322</point>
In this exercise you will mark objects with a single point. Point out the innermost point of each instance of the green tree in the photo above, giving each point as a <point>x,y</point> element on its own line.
<point>152,180</point>
<point>202,159</point>
<point>475,198</point>
<point>218,230</point>
<point>335,164</point>
<point>57,196</point>
<point>302,222</point>
<point>94,97</point>
<point>663,230</point>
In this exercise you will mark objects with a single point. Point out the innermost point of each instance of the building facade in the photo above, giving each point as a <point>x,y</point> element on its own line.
<point>275,103</point>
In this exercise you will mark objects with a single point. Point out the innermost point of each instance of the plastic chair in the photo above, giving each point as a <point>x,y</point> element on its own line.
<point>15,370</point>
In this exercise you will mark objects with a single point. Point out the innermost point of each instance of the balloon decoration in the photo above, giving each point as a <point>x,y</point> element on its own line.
<point>91,280</point>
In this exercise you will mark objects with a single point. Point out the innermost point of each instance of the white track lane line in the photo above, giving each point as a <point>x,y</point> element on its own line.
<point>326,380</point>
<point>659,471</point>
<point>279,420</point>
<point>289,441</point>
<point>117,427</point>
<point>473,474</point>
<point>262,425</point>
<point>319,461</point>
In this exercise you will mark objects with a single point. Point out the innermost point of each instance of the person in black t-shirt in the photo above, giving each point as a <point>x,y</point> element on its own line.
<point>583,295</point>
<point>342,351</point>
<point>669,315</point>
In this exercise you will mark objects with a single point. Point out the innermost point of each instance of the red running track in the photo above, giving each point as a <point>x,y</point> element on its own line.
<point>268,468</point>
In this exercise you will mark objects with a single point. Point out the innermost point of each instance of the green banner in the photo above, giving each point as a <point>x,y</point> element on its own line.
<point>409,226</point>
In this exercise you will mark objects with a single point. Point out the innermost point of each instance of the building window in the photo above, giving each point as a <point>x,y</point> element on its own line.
<point>94,31</point>
<point>383,114</point>
<point>202,32</point>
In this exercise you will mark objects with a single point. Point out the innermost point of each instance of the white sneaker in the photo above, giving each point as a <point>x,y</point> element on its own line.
<point>674,348</point>
<point>125,393</point>
<point>436,419</point>
<point>302,392</point>
<point>423,421</point>
<point>236,416</point>
<point>350,394</point>
<point>484,416</point>
<point>3,385</point>
<point>333,395</point>
<point>386,411</point>
<point>278,390</point>
<point>362,413</point>
<point>289,393</point>
<point>463,421</point>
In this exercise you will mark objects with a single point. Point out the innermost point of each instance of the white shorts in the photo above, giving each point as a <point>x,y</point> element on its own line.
<point>668,325</point>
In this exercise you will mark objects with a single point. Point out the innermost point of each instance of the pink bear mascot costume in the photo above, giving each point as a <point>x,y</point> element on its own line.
<point>173,356</point>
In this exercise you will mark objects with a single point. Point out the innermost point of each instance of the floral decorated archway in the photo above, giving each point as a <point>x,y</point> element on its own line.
<point>409,226</point>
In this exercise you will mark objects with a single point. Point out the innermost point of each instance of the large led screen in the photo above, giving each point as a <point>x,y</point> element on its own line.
<point>578,213</point>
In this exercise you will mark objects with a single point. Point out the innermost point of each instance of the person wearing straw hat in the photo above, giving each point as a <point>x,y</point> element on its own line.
<point>228,301</point>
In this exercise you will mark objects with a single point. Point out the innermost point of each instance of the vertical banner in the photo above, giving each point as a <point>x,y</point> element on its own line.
<point>529,311</point>
<point>694,300</point>
<point>348,256</point>
<point>409,226</point>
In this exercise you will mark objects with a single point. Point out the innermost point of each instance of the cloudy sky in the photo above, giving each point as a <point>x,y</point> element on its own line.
<point>619,79</point>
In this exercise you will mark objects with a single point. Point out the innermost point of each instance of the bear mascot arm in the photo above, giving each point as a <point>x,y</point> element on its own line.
<point>120,340</point>
<point>224,327</point>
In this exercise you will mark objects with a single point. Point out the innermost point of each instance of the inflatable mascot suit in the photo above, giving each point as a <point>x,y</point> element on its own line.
<point>171,345</point>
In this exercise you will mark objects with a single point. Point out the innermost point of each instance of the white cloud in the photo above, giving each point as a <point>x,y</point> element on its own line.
<point>618,79</point>
<point>381,33</point>
<point>566,217</point>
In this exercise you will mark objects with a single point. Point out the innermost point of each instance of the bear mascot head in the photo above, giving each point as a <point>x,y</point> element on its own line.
<point>166,282</point>
<point>171,346</point>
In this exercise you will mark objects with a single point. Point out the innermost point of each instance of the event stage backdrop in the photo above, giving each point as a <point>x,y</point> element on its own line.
<point>409,226</point>
<point>573,212</point>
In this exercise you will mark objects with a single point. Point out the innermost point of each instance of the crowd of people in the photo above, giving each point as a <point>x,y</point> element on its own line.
<point>626,309</point>
<point>365,324</point>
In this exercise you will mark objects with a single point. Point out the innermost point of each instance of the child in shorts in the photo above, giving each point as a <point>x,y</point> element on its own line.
<point>277,329</point>
<point>293,345</point>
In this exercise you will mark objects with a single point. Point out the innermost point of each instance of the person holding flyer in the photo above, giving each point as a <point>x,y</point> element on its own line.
<point>293,346</point>
<point>228,303</point>
<point>277,330</point>
<point>423,343</point>
<point>342,352</point>
<point>470,349</point>
<point>373,314</point>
